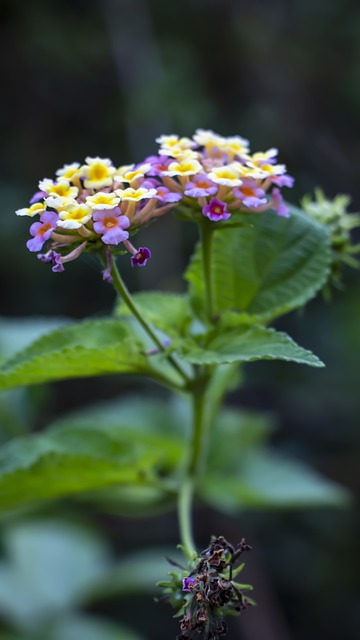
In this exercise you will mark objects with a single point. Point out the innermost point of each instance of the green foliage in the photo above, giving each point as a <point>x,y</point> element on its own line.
<point>244,473</point>
<point>74,459</point>
<point>82,349</point>
<point>333,214</point>
<point>125,457</point>
<point>247,343</point>
<point>52,566</point>
<point>263,270</point>
<point>168,312</point>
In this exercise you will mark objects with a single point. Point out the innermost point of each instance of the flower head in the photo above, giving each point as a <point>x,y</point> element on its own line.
<point>93,204</point>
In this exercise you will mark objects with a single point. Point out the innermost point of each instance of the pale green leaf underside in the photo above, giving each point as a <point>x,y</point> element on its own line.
<point>263,270</point>
<point>81,349</point>
<point>245,344</point>
<point>265,479</point>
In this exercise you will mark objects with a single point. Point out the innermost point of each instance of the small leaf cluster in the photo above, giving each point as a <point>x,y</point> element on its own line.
<point>333,214</point>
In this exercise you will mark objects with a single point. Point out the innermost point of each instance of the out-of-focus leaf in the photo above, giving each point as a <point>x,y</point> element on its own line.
<point>48,568</point>
<point>265,479</point>
<point>72,460</point>
<point>137,573</point>
<point>263,270</point>
<point>83,627</point>
<point>154,424</point>
<point>237,433</point>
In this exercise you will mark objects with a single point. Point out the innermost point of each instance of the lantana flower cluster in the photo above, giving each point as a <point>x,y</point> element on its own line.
<point>97,206</point>
<point>219,175</point>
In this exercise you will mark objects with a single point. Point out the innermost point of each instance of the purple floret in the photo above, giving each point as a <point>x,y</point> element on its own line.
<point>216,210</point>
<point>110,224</point>
<point>42,230</point>
<point>141,257</point>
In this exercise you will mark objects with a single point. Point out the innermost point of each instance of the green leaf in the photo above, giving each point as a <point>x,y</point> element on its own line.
<point>263,270</point>
<point>169,312</point>
<point>83,627</point>
<point>245,344</point>
<point>36,551</point>
<point>152,424</point>
<point>265,479</point>
<point>82,349</point>
<point>18,333</point>
<point>72,460</point>
<point>235,434</point>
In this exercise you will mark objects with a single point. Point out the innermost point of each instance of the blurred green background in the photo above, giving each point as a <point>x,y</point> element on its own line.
<point>105,77</point>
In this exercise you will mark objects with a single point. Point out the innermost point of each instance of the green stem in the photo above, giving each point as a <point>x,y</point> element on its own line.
<point>194,468</point>
<point>184,512</point>
<point>206,238</point>
<point>125,294</point>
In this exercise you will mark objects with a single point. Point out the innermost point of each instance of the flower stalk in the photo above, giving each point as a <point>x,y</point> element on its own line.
<point>126,296</point>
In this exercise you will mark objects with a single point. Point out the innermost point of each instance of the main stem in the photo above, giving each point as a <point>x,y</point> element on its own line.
<point>197,449</point>
<point>125,294</point>
<point>194,468</point>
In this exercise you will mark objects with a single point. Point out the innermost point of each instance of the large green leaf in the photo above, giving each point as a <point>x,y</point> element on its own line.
<point>265,479</point>
<point>83,349</point>
<point>154,424</point>
<point>247,343</point>
<point>72,460</point>
<point>263,270</point>
<point>18,333</point>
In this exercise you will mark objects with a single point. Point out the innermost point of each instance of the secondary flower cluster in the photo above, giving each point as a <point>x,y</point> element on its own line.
<point>219,175</point>
<point>95,204</point>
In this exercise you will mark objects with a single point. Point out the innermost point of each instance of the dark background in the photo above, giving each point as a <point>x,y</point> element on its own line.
<point>105,78</point>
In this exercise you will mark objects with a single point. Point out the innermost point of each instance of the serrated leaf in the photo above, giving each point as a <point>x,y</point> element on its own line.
<point>18,333</point>
<point>265,479</point>
<point>81,349</point>
<point>245,344</point>
<point>263,270</point>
